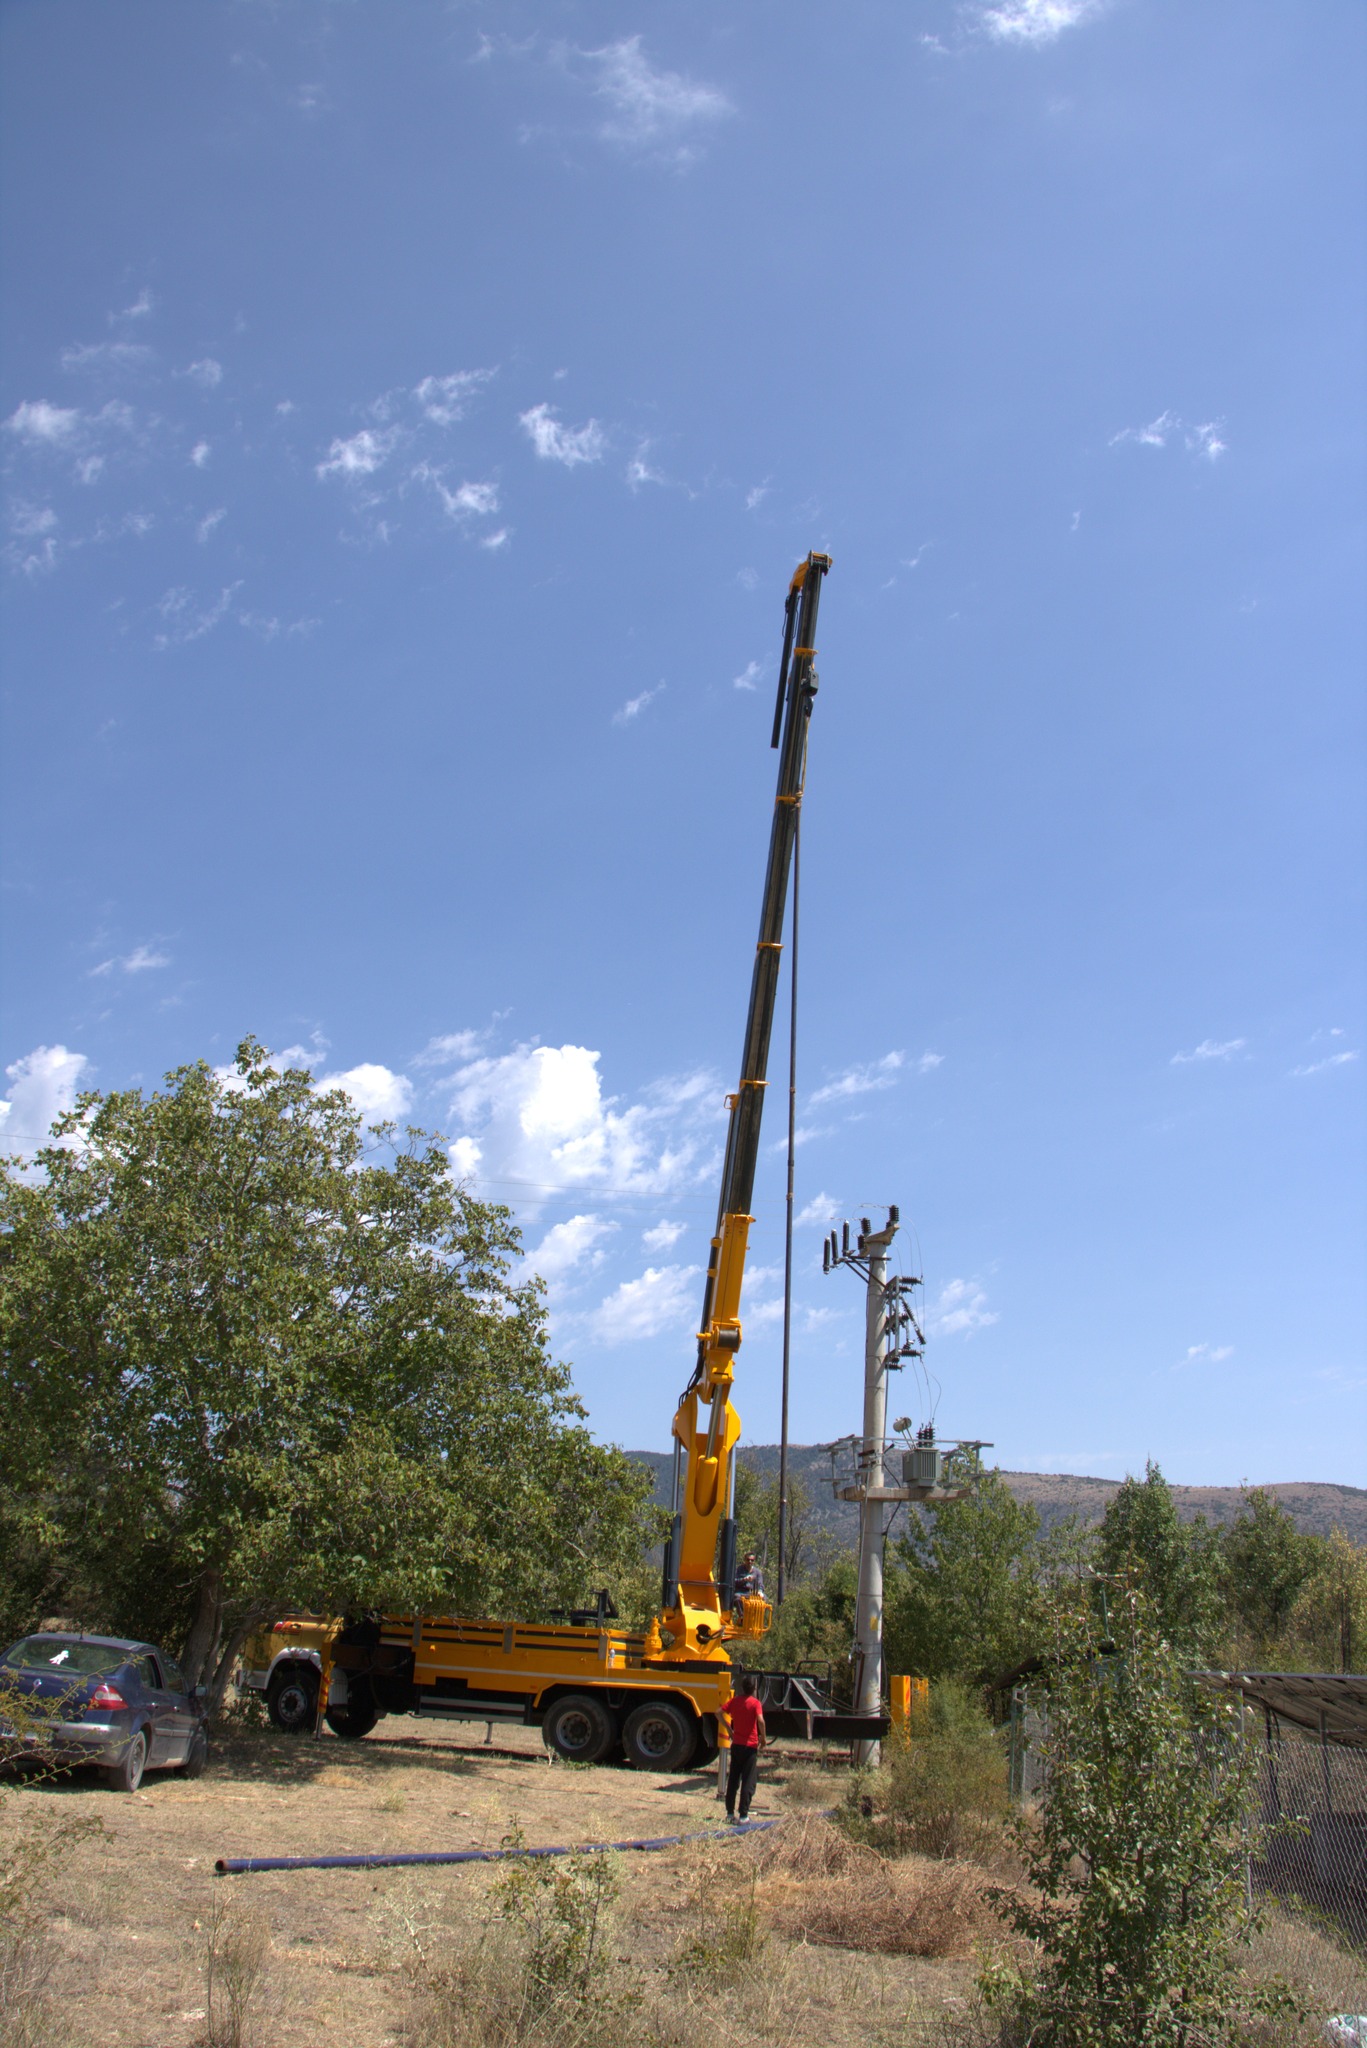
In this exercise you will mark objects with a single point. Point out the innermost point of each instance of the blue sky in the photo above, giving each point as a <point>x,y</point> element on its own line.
<point>412,416</point>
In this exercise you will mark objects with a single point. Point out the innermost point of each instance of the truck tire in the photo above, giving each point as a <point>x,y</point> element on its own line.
<point>359,1714</point>
<point>705,1748</point>
<point>580,1728</point>
<point>292,1697</point>
<point>658,1736</point>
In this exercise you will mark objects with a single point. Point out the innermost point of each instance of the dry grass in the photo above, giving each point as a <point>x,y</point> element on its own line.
<point>821,1887</point>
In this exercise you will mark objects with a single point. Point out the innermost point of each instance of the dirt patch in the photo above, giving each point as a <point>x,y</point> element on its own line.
<point>133,1919</point>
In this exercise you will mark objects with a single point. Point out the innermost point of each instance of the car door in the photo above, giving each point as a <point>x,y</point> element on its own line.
<point>164,1744</point>
<point>184,1715</point>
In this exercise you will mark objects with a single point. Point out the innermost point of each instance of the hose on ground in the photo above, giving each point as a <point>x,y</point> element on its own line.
<point>234,1866</point>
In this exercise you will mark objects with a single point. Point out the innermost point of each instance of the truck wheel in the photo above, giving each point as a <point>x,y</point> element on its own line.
<point>358,1716</point>
<point>127,1775</point>
<point>580,1728</point>
<point>658,1736</point>
<point>292,1697</point>
<point>705,1748</point>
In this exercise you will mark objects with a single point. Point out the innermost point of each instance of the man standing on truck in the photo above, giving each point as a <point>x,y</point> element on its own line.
<point>744,1716</point>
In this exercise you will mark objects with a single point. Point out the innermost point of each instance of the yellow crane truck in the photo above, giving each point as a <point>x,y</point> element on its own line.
<point>597,1691</point>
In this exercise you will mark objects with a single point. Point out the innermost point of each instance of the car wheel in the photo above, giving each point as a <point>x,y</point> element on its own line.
<point>658,1736</point>
<point>292,1697</point>
<point>579,1728</point>
<point>127,1775</point>
<point>197,1756</point>
<point>358,1716</point>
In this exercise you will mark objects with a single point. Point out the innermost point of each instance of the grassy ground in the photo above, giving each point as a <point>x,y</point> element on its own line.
<point>796,1936</point>
<point>133,1917</point>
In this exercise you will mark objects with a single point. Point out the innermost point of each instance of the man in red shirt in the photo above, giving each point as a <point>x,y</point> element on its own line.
<point>744,1716</point>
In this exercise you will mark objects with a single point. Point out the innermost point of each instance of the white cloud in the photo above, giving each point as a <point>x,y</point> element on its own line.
<point>184,621</point>
<point>209,522</point>
<point>860,1080</point>
<point>662,1299</point>
<point>1034,21</point>
<point>1205,440</point>
<point>360,455</point>
<point>200,453</point>
<point>451,1045</point>
<point>1198,440</point>
<point>141,960</point>
<point>929,1061</point>
<point>139,310</point>
<point>44,425</point>
<point>496,540</point>
<point>662,1236</point>
<point>1334,1059</point>
<point>537,1117</point>
<point>634,706</point>
<point>756,495</point>
<point>144,958</point>
<point>960,1309</point>
<point>822,1209</point>
<point>1209,1049</point>
<point>571,1244</point>
<point>639,470</point>
<point>447,399</point>
<point>556,443</point>
<point>32,520</point>
<point>91,356</point>
<point>648,107</point>
<point>467,501</point>
<point>206,373</point>
<point>1207,1354</point>
<point>749,676</point>
<point>43,1087</point>
<point>381,1096</point>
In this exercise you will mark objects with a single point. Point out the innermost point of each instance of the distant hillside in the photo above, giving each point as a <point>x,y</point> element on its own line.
<point>1316,1506</point>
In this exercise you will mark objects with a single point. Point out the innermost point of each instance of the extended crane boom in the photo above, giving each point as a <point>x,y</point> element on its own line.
<point>698,1590</point>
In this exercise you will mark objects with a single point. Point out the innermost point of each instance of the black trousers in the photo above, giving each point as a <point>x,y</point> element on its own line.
<point>740,1778</point>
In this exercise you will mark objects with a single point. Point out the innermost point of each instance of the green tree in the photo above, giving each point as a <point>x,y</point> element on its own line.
<point>961,1585</point>
<point>1266,1561</point>
<point>1179,1566</point>
<point>1328,1625</point>
<point>1135,1860</point>
<point>246,1362</point>
<point>756,1510</point>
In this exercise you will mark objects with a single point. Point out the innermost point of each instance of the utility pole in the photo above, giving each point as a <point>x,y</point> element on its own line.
<point>868,1626</point>
<point>891,1334</point>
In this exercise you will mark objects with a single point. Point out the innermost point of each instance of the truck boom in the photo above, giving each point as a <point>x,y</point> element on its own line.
<point>698,1591</point>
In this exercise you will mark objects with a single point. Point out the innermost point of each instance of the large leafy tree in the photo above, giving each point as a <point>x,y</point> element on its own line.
<point>962,1583</point>
<point>1179,1566</point>
<point>250,1356</point>
<point>1266,1562</point>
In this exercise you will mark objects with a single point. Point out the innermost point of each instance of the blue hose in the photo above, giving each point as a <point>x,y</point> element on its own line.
<point>232,1866</point>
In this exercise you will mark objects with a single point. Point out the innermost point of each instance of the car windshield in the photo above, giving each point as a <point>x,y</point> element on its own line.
<point>67,1659</point>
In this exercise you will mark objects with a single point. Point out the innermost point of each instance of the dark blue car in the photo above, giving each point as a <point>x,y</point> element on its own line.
<point>109,1701</point>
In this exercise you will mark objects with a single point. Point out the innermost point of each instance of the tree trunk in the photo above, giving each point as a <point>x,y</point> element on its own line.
<point>201,1644</point>
<point>223,1670</point>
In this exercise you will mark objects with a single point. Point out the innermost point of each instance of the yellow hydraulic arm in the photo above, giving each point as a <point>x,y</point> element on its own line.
<point>699,1585</point>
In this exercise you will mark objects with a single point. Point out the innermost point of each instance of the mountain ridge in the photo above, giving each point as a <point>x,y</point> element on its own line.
<point>1315,1505</point>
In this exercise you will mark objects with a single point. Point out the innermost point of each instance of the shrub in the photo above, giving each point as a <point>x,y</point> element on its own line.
<point>1136,1857</point>
<point>943,1792</point>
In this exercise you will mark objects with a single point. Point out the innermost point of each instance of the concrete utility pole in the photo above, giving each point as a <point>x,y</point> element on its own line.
<point>873,1510</point>
<point>891,1334</point>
